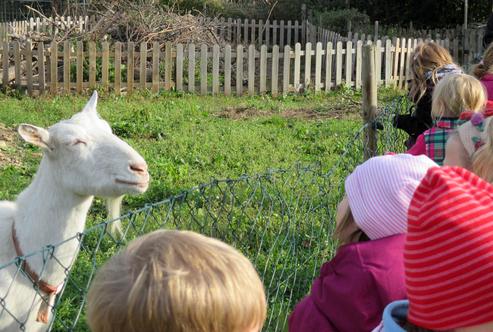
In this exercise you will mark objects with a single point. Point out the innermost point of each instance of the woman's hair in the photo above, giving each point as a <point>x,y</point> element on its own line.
<point>482,159</point>
<point>176,281</point>
<point>456,93</point>
<point>488,32</point>
<point>427,57</point>
<point>486,65</point>
<point>347,231</point>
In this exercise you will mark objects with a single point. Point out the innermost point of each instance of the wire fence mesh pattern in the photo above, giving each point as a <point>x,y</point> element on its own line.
<point>282,220</point>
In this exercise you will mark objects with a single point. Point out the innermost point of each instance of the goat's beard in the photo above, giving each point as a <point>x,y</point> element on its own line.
<point>113,207</point>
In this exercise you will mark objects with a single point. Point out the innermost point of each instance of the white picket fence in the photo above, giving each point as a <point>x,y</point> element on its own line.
<point>262,57</point>
<point>44,25</point>
<point>75,67</point>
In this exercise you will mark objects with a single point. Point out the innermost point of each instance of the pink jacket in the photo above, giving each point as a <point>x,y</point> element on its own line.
<point>419,147</point>
<point>353,288</point>
<point>487,81</point>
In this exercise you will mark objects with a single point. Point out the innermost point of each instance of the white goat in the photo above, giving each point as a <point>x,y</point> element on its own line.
<point>81,159</point>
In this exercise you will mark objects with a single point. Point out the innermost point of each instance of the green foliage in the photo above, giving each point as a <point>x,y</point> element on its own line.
<point>337,20</point>
<point>287,10</point>
<point>322,5</point>
<point>428,14</point>
<point>189,139</point>
<point>245,10</point>
<point>209,7</point>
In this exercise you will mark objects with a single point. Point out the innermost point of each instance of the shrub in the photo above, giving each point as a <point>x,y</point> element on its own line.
<point>288,10</point>
<point>337,20</point>
<point>209,7</point>
<point>245,10</point>
<point>283,10</point>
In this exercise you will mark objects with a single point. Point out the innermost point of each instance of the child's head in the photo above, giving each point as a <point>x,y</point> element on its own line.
<point>378,193</point>
<point>486,65</point>
<point>177,281</point>
<point>472,146</point>
<point>448,254</point>
<point>427,59</point>
<point>455,94</point>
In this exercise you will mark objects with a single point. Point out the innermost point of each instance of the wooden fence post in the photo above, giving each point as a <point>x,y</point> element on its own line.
<point>369,101</point>
<point>303,23</point>
<point>5,64</point>
<point>130,66</point>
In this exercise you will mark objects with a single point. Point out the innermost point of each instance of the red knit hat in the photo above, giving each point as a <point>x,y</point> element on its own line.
<point>448,254</point>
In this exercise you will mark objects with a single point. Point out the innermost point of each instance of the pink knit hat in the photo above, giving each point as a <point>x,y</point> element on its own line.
<point>379,192</point>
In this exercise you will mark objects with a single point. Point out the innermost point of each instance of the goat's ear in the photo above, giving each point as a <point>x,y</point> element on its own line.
<point>92,103</point>
<point>35,135</point>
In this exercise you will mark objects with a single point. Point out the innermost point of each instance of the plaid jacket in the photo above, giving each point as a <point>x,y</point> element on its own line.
<point>436,138</point>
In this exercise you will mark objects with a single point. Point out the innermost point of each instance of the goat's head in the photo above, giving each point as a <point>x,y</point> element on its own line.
<point>87,157</point>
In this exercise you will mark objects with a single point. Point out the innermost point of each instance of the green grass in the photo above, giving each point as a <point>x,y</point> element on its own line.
<point>187,140</point>
<point>281,221</point>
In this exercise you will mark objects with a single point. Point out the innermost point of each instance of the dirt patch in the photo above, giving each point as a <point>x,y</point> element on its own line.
<point>9,146</point>
<point>243,113</point>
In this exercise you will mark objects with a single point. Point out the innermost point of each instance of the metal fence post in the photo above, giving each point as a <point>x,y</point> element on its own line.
<point>369,101</point>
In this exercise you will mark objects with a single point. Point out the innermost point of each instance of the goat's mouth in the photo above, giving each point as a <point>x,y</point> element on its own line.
<point>142,184</point>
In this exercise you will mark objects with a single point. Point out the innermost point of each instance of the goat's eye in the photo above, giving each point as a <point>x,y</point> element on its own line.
<point>79,141</point>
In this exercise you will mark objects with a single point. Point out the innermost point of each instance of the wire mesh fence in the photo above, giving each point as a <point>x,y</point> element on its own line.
<point>281,219</point>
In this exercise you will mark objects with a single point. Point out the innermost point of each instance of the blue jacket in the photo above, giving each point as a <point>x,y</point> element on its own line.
<point>394,313</point>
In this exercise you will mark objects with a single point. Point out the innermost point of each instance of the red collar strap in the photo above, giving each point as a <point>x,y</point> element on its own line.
<point>50,290</point>
<point>467,115</point>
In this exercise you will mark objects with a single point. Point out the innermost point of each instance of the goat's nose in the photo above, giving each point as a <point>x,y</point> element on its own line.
<point>139,167</point>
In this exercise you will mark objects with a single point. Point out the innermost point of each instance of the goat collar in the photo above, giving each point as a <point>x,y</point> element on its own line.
<point>42,285</point>
<point>50,290</point>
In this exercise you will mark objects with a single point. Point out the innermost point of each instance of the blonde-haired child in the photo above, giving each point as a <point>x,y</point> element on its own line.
<point>471,146</point>
<point>454,95</point>
<point>484,71</point>
<point>367,272</point>
<point>430,63</point>
<point>177,281</point>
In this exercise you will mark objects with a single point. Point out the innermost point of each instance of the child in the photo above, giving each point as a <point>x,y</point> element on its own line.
<point>454,94</point>
<point>430,63</point>
<point>448,256</point>
<point>177,281</point>
<point>367,271</point>
<point>471,146</point>
<point>484,71</point>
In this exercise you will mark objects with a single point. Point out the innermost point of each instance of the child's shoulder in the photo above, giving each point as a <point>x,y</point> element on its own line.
<point>370,252</point>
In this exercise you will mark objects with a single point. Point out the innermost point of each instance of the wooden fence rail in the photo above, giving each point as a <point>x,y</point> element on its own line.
<point>75,67</point>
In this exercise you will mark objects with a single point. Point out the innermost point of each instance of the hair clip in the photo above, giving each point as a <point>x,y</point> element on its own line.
<point>477,119</point>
